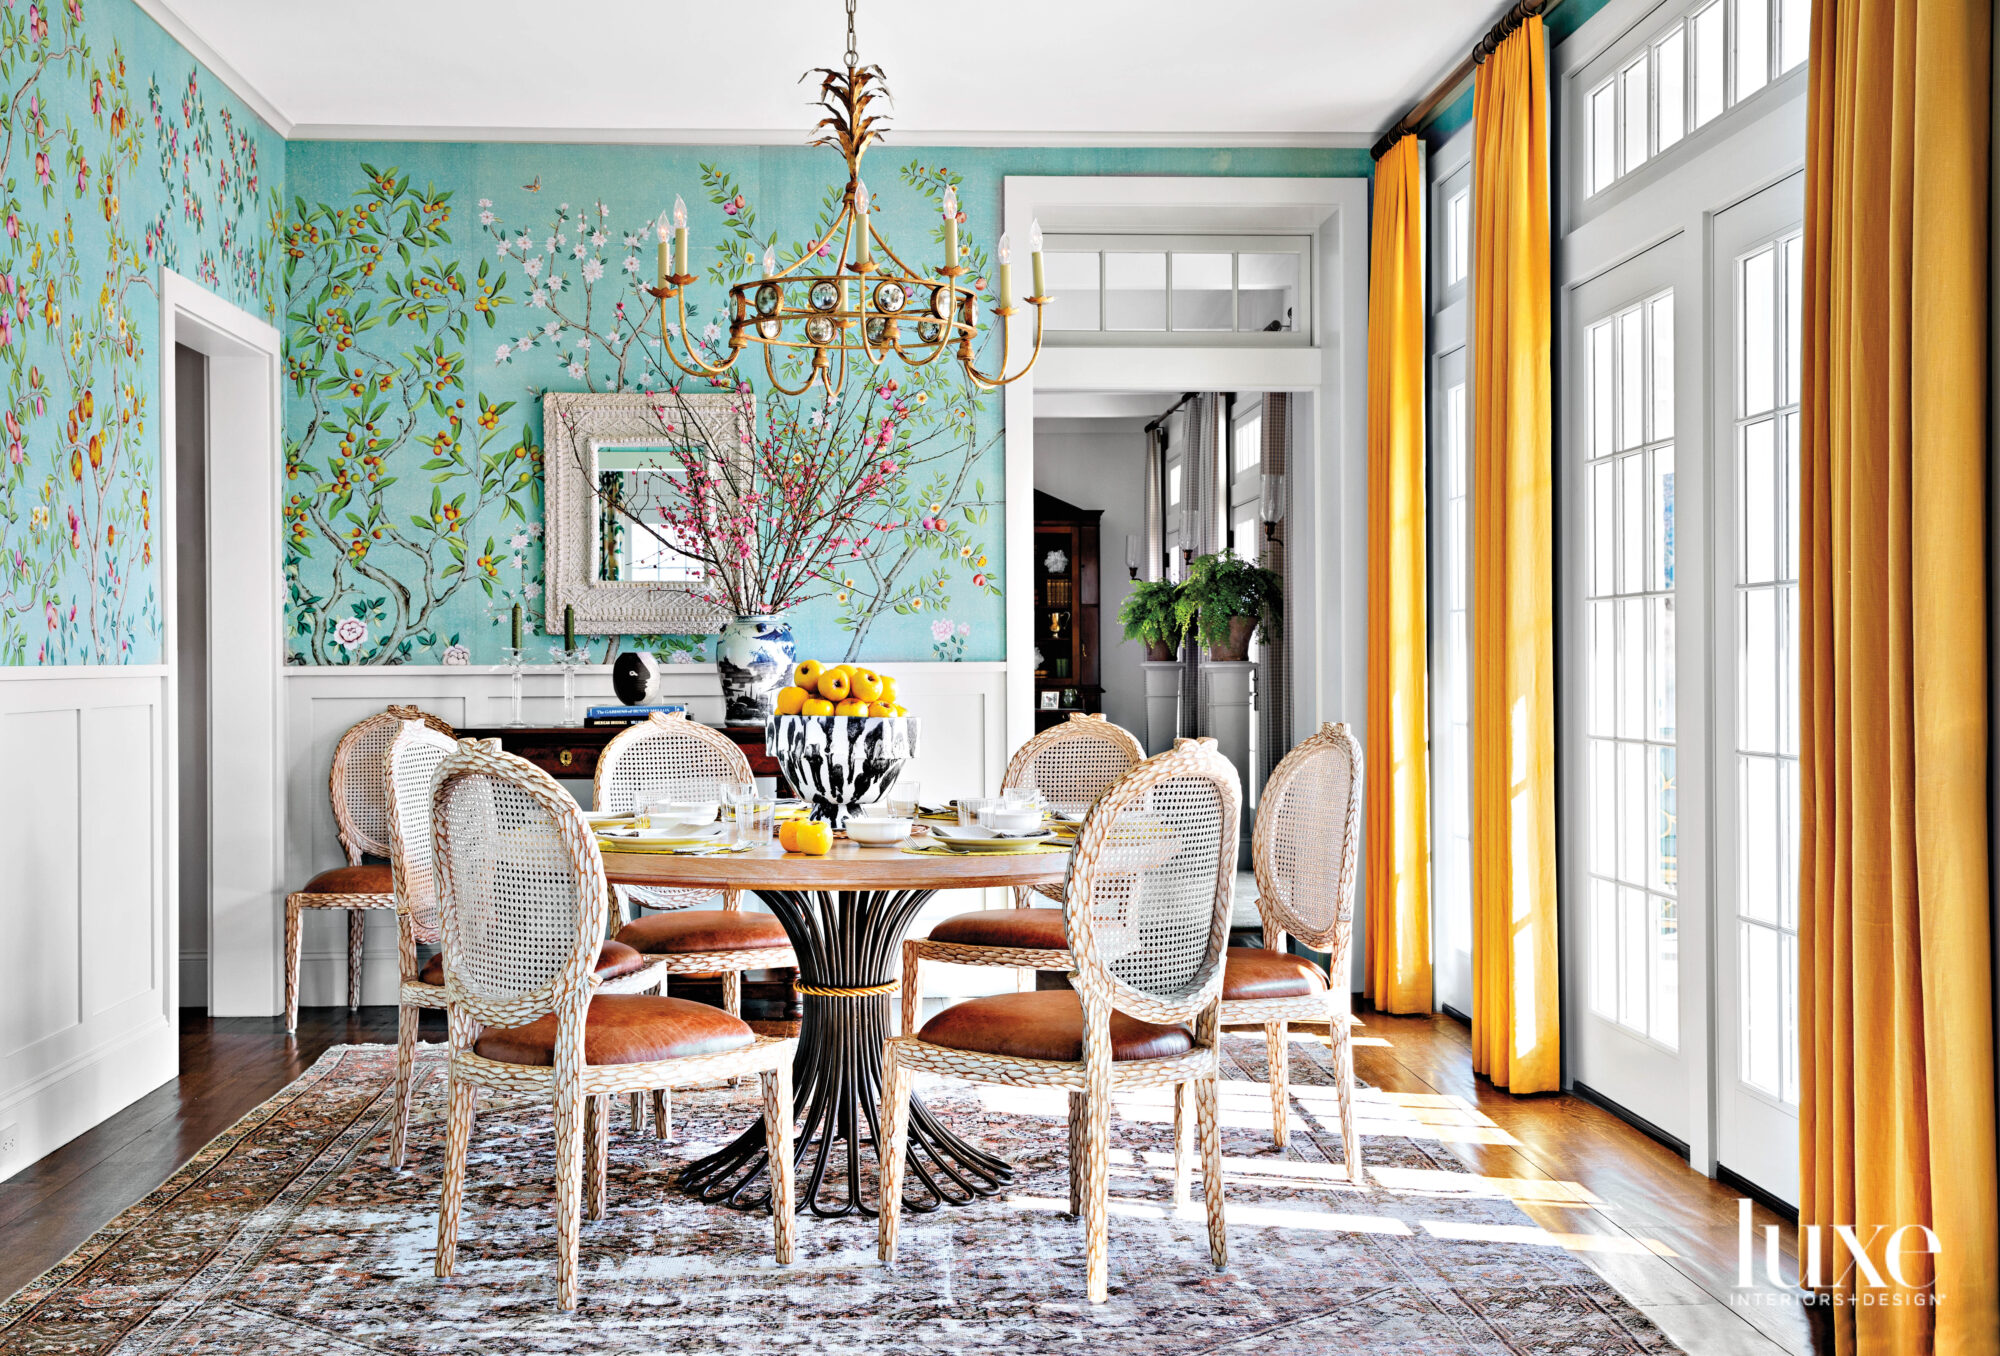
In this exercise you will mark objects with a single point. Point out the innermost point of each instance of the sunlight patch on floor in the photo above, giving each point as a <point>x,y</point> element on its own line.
<point>1437,1182</point>
<point>1540,1237</point>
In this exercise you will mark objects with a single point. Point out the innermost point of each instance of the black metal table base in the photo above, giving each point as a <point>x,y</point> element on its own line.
<point>846,939</point>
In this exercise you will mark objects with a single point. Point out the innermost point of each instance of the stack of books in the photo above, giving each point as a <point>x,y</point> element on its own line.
<point>626,715</point>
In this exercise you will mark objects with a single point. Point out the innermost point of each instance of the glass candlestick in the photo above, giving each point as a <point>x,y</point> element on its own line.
<point>570,661</point>
<point>515,657</point>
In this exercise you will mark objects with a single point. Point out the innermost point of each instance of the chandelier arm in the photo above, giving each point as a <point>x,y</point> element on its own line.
<point>698,367</point>
<point>771,370</point>
<point>894,258</point>
<point>1002,379</point>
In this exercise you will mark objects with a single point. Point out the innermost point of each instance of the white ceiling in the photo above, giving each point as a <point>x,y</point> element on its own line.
<point>1046,72</point>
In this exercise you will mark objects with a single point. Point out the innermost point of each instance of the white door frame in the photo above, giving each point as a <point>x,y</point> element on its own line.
<point>1327,529</point>
<point>246,653</point>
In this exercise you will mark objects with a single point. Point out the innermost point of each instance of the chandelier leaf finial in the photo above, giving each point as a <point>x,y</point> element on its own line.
<point>863,309</point>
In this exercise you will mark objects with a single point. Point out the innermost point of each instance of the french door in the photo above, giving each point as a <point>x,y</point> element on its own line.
<point>1758,256</point>
<point>1634,864</point>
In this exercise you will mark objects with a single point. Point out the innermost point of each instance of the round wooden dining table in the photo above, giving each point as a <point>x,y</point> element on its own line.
<point>846,914</point>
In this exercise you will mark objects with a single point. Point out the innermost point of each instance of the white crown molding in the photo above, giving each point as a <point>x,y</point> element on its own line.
<point>792,136</point>
<point>162,13</point>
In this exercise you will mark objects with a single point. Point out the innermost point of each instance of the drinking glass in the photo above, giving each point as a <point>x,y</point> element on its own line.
<point>902,799</point>
<point>754,819</point>
<point>971,809</point>
<point>733,794</point>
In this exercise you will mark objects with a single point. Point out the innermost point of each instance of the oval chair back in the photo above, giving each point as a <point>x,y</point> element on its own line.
<point>1075,762</point>
<point>358,784</point>
<point>1146,912</point>
<point>413,758</point>
<point>520,891</point>
<point>1305,845</point>
<point>667,753</point>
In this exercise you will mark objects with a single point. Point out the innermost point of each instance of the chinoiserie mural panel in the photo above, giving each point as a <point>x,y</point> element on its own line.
<point>121,156</point>
<point>436,292</point>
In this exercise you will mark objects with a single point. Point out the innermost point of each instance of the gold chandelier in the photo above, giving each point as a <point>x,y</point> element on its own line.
<point>863,309</point>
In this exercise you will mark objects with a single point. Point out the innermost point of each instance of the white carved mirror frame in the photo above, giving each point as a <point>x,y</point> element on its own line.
<point>575,426</point>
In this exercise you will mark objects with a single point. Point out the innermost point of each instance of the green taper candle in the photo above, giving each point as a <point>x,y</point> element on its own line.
<point>517,626</point>
<point>569,626</point>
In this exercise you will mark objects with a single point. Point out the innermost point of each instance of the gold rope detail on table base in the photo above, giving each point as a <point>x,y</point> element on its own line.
<point>867,991</point>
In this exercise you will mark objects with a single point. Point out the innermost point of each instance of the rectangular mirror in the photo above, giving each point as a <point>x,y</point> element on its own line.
<point>610,464</point>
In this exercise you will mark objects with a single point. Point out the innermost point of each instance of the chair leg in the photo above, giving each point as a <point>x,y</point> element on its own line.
<point>732,992</point>
<point>1183,1147</point>
<point>777,1085</point>
<point>1343,1082</point>
<point>663,1113</point>
<point>1096,1189</point>
<point>895,1149</point>
<point>406,1058</point>
<point>913,993</point>
<point>1079,1113</point>
<point>638,1112</point>
<point>1206,1097</point>
<point>569,1190</point>
<point>1278,1057</point>
<point>357,928</point>
<point>293,908</point>
<point>596,1153</point>
<point>451,1193</point>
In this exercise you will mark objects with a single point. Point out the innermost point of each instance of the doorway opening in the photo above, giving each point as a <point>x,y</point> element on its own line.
<point>190,661</point>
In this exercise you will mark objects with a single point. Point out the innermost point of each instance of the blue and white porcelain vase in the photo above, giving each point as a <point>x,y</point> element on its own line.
<point>755,657</point>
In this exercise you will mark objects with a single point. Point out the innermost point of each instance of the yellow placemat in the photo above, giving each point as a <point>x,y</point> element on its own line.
<point>659,845</point>
<point>940,850</point>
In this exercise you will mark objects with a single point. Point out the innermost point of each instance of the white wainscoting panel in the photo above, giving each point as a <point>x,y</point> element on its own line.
<point>87,990</point>
<point>962,751</point>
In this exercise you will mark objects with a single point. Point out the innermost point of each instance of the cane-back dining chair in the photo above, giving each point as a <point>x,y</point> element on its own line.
<point>413,758</point>
<point>676,757</point>
<point>1303,851</point>
<point>522,902</point>
<point>360,792</point>
<point>1071,765</point>
<point>1147,919</point>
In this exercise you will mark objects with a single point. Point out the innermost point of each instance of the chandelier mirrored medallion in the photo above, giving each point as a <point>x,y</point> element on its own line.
<point>870,305</point>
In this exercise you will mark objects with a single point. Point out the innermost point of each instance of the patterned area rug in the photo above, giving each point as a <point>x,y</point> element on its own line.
<point>289,1235</point>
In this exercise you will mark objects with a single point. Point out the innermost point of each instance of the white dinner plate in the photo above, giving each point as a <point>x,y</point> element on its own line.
<point>977,839</point>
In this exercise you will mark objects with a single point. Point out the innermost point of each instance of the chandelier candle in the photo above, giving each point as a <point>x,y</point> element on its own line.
<point>1005,253</point>
<point>950,208</point>
<point>864,262</point>
<point>1035,256</point>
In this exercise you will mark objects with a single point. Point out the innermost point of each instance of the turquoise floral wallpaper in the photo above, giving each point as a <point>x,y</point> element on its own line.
<point>427,295</point>
<point>435,291</point>
<point>120,156</point>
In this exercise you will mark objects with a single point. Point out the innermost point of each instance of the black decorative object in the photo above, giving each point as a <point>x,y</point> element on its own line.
<point>637,676</point>
<point>846,939</point>
<point>840,762</point>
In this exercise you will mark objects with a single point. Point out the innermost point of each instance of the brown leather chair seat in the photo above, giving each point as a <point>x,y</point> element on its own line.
<point>370,878</point>
<point>614,961</point>
<point>1250,973</point>
<point>635,1028</point>
<point>1016,929</point>
<point>1047,1024</point>
<point>689,930</point>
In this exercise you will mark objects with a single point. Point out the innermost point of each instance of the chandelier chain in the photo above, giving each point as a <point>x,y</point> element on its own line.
<point>853,57</point>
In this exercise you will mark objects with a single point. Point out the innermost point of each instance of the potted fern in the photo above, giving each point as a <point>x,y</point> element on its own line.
<point>1226,600</point>
<point>1149,617</point>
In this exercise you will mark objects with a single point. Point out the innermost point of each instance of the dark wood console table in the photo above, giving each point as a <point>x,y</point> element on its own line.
<point>572,750</point>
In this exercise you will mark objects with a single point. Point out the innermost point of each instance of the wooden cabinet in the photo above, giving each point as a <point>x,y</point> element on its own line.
<point>572,750</point>
<point>1065,571</point>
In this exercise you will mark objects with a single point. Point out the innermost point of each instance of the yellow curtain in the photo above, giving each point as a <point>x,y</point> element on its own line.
<point>1896,1118</point>
<point>1398,781</point>
<point>1516,1020</point>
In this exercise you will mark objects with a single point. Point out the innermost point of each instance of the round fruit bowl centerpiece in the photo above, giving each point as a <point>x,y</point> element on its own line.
<point>840,762</point>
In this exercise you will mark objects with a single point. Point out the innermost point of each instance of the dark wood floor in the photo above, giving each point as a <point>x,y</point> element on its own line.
<point>1663,1234</point>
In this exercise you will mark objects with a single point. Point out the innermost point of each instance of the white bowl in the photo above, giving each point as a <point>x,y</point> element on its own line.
<point>1005,819</point>
<point>877,829</point>
<point>682,813</point>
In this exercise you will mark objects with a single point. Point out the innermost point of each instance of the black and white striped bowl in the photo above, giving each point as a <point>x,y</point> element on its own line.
<point>841,762</point>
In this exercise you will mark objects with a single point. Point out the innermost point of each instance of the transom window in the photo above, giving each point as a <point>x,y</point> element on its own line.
<point>1695,68</point>
<point>1213,289</point>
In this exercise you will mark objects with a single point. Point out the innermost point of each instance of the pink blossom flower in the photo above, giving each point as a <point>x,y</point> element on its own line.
<point>42,175</point>
<point>53,618</point>
<point>941,629</point>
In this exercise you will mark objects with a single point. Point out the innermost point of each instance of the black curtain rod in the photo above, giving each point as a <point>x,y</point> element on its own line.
<point>1484,48</point>
<point>1161,417</point>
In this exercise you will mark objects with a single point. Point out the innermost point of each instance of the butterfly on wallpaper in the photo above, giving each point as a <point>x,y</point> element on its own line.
<point>536,186</point>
